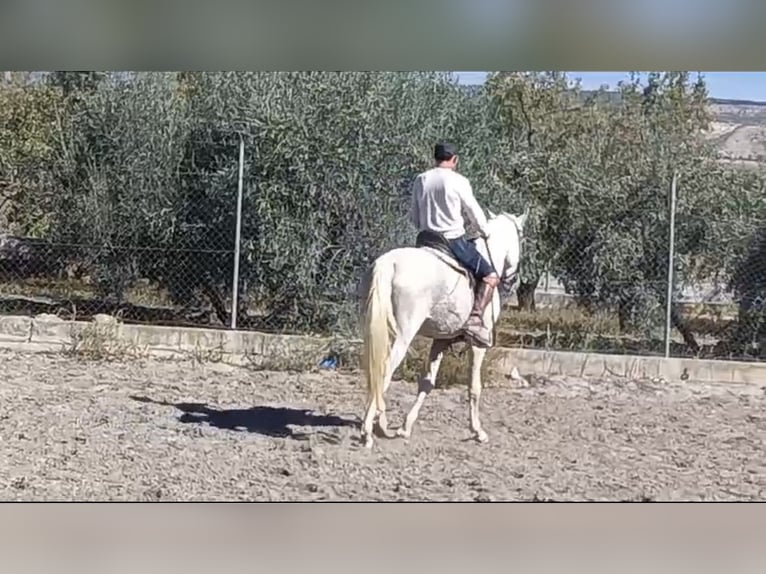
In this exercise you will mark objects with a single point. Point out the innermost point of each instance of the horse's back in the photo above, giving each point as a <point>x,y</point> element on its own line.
<point>423,267</point>
<point>424,284</point>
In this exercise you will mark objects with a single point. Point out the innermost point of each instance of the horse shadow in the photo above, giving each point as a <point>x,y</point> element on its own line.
<point>264,420</point>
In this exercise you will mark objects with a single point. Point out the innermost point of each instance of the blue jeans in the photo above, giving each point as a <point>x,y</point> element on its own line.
<point>465,251</point>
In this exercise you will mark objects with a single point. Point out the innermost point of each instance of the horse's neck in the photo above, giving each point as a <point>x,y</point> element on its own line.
<point>495,247</point>
<point>498,247</point>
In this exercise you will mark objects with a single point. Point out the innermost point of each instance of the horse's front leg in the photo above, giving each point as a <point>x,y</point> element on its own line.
<point>425,384</point>
<point>474,392</point>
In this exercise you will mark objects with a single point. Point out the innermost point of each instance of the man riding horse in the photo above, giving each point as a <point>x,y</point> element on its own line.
<point>439,198</point>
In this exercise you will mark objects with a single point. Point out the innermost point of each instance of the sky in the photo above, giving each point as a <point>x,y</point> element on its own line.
<point>724,85</point>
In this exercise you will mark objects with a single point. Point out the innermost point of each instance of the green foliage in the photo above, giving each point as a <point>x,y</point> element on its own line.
<point>28,137</point>
<point>537,113</point>
<point>114,176</point>
<point>599,171</point>
<point>330,158</point>
<point>150,163</point>
<point>75,84</point>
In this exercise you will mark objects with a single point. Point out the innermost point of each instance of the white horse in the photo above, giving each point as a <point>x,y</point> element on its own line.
<point>423,291</point>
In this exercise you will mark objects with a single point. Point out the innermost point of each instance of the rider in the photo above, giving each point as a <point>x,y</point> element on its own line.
<point>439,197</point>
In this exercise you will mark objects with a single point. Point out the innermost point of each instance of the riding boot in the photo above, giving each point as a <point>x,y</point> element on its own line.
<point>475,326</point>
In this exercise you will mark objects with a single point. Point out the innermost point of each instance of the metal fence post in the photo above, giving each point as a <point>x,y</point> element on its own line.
<point>237,235</point>
<point>671,257</point>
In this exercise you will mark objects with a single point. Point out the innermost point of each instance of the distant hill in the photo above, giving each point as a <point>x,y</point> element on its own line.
<point>738,129</point>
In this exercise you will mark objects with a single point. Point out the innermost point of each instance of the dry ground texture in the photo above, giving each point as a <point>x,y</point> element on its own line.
<point>72,429</point>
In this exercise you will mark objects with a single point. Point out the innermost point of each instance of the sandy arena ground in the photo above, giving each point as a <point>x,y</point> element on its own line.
<point>150,430</point>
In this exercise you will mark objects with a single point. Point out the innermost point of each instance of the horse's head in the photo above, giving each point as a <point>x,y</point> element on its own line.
<point>505,237</point>
<point>519,220</point>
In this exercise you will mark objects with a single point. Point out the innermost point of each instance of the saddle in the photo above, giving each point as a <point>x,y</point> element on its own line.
<point>439,246</point>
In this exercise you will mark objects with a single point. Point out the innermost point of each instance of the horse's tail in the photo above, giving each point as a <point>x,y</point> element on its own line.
<point>379,329</point>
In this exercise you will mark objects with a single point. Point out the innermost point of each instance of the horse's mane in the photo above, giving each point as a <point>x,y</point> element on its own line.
<point>498,217</point>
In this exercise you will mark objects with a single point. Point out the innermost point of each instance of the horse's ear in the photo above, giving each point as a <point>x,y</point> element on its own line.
<point>491,214</point>
<point>524,217</point>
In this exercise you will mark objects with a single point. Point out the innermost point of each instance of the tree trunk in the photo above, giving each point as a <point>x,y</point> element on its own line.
<point>526,295</point>
<point>677,321</point>
<point>623,315</point>
<point>747,327</point>
<point>243,304</point>
<point>216,301</point>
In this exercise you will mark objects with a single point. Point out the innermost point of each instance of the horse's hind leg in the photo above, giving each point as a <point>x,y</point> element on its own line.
<point>425,385</point>
<point>398,352</point>
<point>369,419</point>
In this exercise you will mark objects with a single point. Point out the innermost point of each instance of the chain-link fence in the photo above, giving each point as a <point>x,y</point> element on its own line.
<point>578,304</point>
<point>609,291</point>
<point>215,205</point>
<point>150,269</point>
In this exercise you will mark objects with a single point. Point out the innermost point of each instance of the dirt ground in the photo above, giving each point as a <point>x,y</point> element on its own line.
<point>158,430</point>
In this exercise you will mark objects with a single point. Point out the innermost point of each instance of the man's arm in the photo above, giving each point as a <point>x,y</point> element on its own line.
<point>472,207</point>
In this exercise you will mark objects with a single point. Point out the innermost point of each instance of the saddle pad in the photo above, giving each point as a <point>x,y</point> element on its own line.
<point>451,261</point>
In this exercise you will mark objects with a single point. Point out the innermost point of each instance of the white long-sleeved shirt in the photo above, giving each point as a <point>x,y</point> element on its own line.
<point>439,197</point>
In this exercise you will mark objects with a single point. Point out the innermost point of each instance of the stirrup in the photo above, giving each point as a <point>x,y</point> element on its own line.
<point>475,329</point>
<point>481,337</point>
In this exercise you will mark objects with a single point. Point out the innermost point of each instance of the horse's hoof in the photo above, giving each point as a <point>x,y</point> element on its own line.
<point>385,433</point>
<point>482,437</point>
<point>401,433</point>
<point>520,381</point>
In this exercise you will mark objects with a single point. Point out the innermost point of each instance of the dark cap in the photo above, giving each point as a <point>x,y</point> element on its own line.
<point>444,151</point>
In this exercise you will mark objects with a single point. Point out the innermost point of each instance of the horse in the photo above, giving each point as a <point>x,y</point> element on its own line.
<point>423,290</point>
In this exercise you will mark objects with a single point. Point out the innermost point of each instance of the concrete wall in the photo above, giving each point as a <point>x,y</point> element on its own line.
<point>106,336</point>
